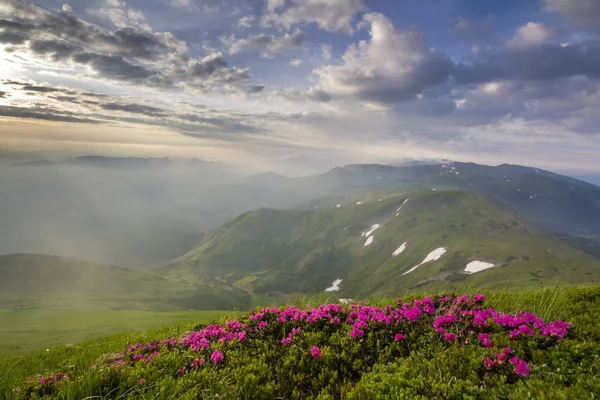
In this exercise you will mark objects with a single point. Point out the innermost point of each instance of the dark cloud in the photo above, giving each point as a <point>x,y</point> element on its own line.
<point>581,13</point>
<point>209,65</point>
<point>128,54</point>
<point>3,95</point>
<point>57,49</point>
<point>135,109</point>
<point>43,113</point>
<point>114,67</point>
<point>139,44</point>
<point>546,61</point>
<point>13,38</point>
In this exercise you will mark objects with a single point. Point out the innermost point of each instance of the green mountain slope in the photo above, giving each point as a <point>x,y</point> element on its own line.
<point>272,252</point>
<point>41,281</point>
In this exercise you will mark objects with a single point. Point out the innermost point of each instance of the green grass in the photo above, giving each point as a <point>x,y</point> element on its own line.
<point>280,252</point>
<point>89,333</point>
<point>22,331</point>
<point>567,367</point>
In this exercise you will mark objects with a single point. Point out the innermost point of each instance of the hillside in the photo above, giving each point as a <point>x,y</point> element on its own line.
<point>41,281</point>
<point>556,202</point>
<point>374,247</point>
<point>491,345</point>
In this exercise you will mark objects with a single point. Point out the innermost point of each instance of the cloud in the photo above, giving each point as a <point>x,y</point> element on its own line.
<point>266,44</point>
<point>3,95</point>
<point>247,21</point>
<point>545,61</point>
<point>13,38</point>
<point>326,52</point>
<point>296,95</point>
<point>532,34</point>
<point>121,15</point>
<point>477,30</point>
<point>295,62</point>
<point>392,66</point>
<point>581,13</point>
<point>330,15</point>
<point>135,109</point>
<point>128,54</point>
<point>43,113</point>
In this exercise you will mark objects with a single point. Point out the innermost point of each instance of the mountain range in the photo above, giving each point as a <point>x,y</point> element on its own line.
<point>215,238</point>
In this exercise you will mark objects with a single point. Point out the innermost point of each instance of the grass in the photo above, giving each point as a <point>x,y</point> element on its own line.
<point>22,331</point>
<point>571,303</point>
<point>93,333</point>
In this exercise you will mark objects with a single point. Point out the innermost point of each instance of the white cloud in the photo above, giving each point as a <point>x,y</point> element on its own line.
<point>295,62</point>
<point>391,66</point>
<point>330,15</point>
<point>266,44</point>
<point>247,21</point>
<point>532,34</point>
<point>121,15</point>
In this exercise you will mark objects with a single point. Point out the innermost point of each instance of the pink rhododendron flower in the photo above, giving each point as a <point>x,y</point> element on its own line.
<point>398,337</point>
<point>521,367</point>
<point>315,352</point>
<point>216,357</point>
<point>450,337</point>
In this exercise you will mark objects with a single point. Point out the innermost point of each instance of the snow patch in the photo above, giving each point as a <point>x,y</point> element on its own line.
<point>532,196</point>
<point>477,266</point>
<point>402,205</point>
<point>370,231</point>
<point>369,241</point>
<point>338,206</point>
<point>358,203</point>
<point>399,250</point>
<point>434,189</point>
<point>335,286</point>
<point>433,256</point>
<point>379,199</point>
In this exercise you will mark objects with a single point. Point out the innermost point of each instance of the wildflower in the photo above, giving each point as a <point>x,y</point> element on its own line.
<point>521,367</point>
<point>181,370</point>
<point>42,381</point>
<point>450,337</point>
<point>315,352</point>
<point>489,363</point>
<point>286,340</point>
<point>216,357</point>
<point>479,298</point>
<point>398,337</point>
<point>485,340</point>
<point>141,381</point>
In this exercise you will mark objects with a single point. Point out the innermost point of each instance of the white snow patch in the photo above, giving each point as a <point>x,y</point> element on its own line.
<point>369,241</point>
<point>316,207</point>
<point>399,250</point>
<point>531,197</point>
<point>370,231</point>
<point>400,208</point>
<point>338,206</point>
<point>345,301</point>
<point>433,256</point>
<point>434,189</point>
<point>335,286</point>
<point>477,266</point>
<point>358,203</point>
<point>379,199</point>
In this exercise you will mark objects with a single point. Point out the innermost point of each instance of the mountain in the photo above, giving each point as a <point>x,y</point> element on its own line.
<point>373,248</point>
<point>42,281</point>
<point>556,202</point>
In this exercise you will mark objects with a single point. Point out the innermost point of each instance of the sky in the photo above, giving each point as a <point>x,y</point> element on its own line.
<point>299,86</point>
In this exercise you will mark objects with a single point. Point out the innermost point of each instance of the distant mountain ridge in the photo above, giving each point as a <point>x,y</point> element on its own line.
<point>375,246</point>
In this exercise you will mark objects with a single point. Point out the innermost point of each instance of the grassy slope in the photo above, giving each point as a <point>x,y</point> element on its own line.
<point>28,330</point>
<point>569,303</point>
<point>40,281</point>
<point>22,366</point>
<point>272,251</point>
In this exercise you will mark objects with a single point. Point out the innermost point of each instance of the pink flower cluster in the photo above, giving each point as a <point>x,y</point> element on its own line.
<point>53,379</point>
<point>456,320</point>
